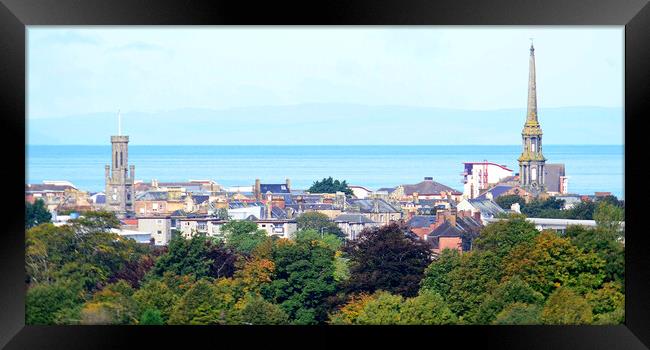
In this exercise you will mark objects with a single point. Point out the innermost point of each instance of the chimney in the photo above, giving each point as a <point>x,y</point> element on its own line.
<point>269,205</point>
<point>452,216</point>
<point>416,197</point>
<point>489,195</point>
<point>288,182</point>
<point>257,189</point>
<point>154,183</point>
<point>428,178</point>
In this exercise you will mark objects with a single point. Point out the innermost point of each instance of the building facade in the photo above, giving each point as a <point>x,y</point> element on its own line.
<point>119,178</point>
<point>532,161</point>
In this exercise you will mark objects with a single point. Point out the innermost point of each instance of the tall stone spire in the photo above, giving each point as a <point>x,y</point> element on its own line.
<point>531,115</point>
<point>532,160</point>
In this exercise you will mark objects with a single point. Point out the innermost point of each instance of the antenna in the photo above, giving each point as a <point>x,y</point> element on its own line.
<point>531,42</point>
<point>119,123</point>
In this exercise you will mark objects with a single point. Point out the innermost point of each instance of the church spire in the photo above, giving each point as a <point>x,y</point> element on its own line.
<point>531,115</point>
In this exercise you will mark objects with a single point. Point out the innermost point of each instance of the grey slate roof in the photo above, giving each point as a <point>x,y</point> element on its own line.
<point>274,188</point>
<point>353,218</point>
<point>486,206</point>
<point>418,221</point>
<point>368,205</point>
<point>496,191</point>
<point>428,187</point>
<point>152,196</point>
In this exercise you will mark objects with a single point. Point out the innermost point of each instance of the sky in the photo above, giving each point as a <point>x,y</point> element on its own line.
<point>142,71</point>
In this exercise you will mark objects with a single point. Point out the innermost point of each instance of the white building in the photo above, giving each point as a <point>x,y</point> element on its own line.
<point>281,228</point>
<point>353,224</point>
<point>138,236</point>
<point>245,212</point>
<point>360,191</point>
<point>478,176</point>
<point>486,207</point>
<point>159,227</point>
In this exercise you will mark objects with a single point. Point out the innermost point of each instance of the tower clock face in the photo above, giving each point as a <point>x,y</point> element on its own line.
<point>114,196</point>
<point>534,184</point>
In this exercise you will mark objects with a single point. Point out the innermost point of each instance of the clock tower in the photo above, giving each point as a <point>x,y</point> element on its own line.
<point>532,161</point>
<point>119,176</point>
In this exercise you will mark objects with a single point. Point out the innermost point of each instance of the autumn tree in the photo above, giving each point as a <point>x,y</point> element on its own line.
<point>551,261</point>
<point>513,290</point>
<point>387,259</point>
<point>566,307</point>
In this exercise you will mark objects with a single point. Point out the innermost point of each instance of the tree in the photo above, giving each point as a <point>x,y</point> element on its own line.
<point>519,314</point>
<point>243,236</point>
<point>582,211</point>
<point>254,310</point>
<point>303,279</point>
<point>608,304</point>
<point>513,290</point>
<point>201,305</point>
<point>502,236</point>
<point>198,256</point>
<point>605,244</point>
<point>318,222</point>
<point>36,214</point>
<point>566,307</point>
<point>552,261</point>
<point>156,295</point>
<point>436,276</point>
<point>386,259</point>
<point>45,301</point>
<point>608,217</point>
<point>329,185</point>
<point>427,308</point>
<point>508,200</point>
<point>112,305</point>
<point>151,317</point>
<point>549,208</point>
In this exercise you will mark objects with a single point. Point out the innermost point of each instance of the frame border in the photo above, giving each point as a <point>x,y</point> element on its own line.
<point>15,15</point>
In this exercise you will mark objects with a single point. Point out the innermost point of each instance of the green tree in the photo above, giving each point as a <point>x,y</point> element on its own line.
<point>605,244</point>
<point>608,304</point>
<point>185,257</point>
<point>552,261</point>
<point>45,301</point>
<point>318,222</point>
<point>256,311</point>
<point>329,185</point>
<point>436,276</point>
<point>502,236</point>
<point>519,314</point>
<point>36,214</point>
<point>582,211</point>
<point>566,307</point>
<point>386,259</point>
<point>303,279</point>
<point>513,290</point>
<point>151,317</point>
<point>427,308</point>
<point>156,295</point>
<point>201,305</point>
<point>243,235</point>
<point>508,200</point>
<point>608,217</point>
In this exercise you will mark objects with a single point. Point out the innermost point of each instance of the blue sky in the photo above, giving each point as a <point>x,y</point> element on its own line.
<point>79,71</point>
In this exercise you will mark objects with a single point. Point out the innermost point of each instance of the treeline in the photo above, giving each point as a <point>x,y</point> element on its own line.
<point>83,274</point>
<point>553,207</point>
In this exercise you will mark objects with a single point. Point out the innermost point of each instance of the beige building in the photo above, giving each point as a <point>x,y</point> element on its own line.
<point>159,226</point>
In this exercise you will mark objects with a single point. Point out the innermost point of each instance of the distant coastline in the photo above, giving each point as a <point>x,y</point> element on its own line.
<point>590,168</point>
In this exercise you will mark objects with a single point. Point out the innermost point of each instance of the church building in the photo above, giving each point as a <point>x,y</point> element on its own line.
<point>532,161</point>
<point>120,177</point>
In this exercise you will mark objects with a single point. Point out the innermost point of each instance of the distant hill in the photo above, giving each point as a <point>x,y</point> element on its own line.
<point>331,124</point>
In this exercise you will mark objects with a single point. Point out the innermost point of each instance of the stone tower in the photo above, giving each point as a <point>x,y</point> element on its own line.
<point>532,161</point>
<point>120,177</point>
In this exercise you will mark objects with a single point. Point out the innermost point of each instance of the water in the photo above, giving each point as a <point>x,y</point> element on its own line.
<point>590,168</point>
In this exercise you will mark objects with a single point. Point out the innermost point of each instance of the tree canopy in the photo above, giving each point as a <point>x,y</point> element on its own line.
<point>329,185</point>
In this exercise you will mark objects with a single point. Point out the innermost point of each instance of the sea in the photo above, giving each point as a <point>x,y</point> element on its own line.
<point>589,168</point>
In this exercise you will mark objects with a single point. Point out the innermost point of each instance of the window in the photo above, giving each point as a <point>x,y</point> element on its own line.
<point>115,164</point>
<point>121,159</point>
<point>533,174</point>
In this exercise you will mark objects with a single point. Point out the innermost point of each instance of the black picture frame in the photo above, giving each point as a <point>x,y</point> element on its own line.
<point>15,15</point>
